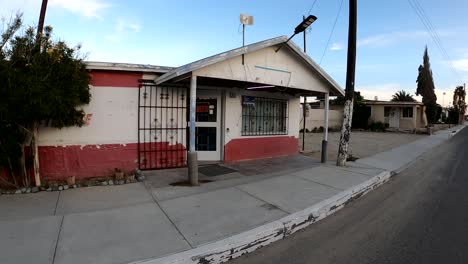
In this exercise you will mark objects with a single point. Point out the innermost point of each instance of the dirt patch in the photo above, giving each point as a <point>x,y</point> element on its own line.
<point>362,144</point>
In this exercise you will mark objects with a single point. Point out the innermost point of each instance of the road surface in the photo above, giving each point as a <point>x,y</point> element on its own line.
<point>420,216</point>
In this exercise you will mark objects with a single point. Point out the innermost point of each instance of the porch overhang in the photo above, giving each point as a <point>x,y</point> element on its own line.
<point>290,70</point>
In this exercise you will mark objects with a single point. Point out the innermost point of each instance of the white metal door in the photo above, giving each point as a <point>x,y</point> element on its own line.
<point>208,130</point>
<point>394,118</point>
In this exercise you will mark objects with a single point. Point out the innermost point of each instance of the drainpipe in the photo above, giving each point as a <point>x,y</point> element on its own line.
<point>325,129</point>
<point>192,158</point>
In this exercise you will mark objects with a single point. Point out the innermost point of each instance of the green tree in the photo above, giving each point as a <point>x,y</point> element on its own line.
<point>426,87</point>
<point>402,96</point>
<point>459,103</point>
<point>361,112</point>
<point>42,84</point>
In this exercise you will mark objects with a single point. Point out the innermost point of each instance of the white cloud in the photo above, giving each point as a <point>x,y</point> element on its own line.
<point>336,46</point>
<point>461,64</point>
<point>122,30</point>
<point>385,91</point>
<point>386,39</point>
<point>87,8</point>
<point>123,25</point>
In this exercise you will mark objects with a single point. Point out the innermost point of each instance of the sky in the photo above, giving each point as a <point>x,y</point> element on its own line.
<point>390,44</point>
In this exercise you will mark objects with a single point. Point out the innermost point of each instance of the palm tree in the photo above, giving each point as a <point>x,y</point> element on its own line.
<point>402,96</point>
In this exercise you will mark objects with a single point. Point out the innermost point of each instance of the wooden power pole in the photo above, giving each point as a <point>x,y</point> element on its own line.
<point>40,24</point>
<point>349,93</point>
<point>35,126</point>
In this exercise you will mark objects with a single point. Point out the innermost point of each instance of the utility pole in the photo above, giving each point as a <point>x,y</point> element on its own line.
<point>349,93</point>
<point>40,24</point>
<point>35,125</point>
<point>305,45</point>
<point>305,100</point>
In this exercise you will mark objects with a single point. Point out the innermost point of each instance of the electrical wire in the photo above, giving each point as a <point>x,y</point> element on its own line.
<point>435,34</point>
<point>310,9</point>
<point>431,30</point>
<point>331,33</point>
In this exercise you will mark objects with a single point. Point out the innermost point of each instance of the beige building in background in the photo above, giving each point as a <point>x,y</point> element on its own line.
<point>398,115</point>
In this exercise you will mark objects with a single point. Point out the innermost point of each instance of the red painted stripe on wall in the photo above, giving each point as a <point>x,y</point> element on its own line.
<point>259,148</point>
<point>115,78</point>
<point>101,160</point>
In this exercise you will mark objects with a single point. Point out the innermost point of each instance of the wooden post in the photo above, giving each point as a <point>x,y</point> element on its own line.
<point>349,94</point>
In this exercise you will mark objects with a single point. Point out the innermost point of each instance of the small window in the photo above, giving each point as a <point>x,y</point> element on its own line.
<point>386,111</point>
<point>407,112</point>
<point>264,116</point>
<point>206,110</point>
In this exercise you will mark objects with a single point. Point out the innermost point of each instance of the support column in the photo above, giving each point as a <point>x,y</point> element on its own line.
<point>304,122</point>
<point>192,157</point>
<point>325,128</point>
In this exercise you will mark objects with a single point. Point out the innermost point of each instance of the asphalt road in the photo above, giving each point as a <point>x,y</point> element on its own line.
<point>420,216</point>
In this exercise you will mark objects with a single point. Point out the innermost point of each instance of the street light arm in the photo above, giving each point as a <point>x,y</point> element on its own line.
<point>284,43</point>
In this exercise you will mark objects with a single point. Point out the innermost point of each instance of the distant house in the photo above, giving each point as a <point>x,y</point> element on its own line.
<point>315,115</point>
<point>398,115</point>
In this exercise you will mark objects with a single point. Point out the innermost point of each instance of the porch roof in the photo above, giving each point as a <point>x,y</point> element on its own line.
<point>185,70</point>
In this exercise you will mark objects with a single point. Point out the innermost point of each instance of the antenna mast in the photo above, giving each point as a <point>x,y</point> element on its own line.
<point>245,20</point>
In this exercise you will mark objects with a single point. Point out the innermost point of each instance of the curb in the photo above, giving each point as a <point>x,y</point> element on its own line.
<point>248,241</point>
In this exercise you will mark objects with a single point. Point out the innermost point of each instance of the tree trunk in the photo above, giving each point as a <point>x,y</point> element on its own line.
<point>35,154</point>
<point>23,172</point>
<point>345,133</point>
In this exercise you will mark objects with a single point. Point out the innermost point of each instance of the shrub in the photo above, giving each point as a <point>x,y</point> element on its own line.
<point>377,127</point>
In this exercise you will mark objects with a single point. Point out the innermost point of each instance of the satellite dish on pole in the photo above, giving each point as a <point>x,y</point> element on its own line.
<point>245,20</point>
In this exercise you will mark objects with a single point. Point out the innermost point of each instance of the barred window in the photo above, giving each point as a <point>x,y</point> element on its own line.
<point>264,116</point>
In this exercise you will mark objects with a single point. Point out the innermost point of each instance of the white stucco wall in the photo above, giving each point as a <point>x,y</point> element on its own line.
<point>233,115</point>
<point>268,67</point>
<point>315,119</point>
<point>113,120</point>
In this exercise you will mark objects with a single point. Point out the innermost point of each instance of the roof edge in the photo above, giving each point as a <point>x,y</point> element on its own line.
<point>219,57</point>
<point>370,102</point>
<point>114,66</point>
<point>248,49</point>
<point>317,67</point>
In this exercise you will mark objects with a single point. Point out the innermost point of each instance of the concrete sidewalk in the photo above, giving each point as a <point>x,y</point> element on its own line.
<point>206,224</point>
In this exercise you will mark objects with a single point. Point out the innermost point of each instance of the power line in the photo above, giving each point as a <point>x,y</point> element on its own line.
<point>331,33</point>
<point>310,9</point>
<point>436,34</point>
<point>419,10</point>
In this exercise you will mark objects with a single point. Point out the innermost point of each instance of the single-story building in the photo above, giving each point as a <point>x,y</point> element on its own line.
<point>315,115</point>
<point>398,115</point>
<point>247,107</point>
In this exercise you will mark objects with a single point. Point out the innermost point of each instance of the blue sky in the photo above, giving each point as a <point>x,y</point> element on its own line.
<point>391,38</point>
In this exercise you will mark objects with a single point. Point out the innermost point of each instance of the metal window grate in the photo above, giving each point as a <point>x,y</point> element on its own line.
<point>162,126</point>
<point>264,116</point>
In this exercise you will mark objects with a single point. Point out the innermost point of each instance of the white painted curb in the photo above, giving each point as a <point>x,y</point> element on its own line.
<point>248,241</point>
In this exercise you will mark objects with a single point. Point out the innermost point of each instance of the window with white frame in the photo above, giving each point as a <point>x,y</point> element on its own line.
<point>407,112</point>
<point>264,116</point>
